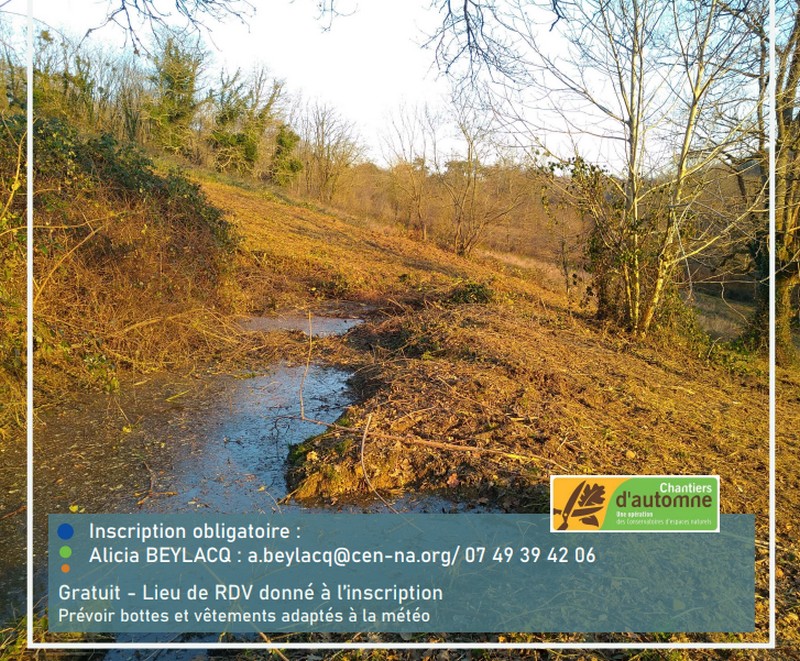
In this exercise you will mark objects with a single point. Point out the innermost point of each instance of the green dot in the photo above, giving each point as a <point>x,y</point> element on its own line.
<point>65,551</point>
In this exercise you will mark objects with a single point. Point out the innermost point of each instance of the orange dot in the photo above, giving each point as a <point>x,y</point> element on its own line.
<point>65,568</point>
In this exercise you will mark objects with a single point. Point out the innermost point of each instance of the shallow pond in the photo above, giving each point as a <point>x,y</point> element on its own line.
<point>235,462</point>
<point>319,326</point>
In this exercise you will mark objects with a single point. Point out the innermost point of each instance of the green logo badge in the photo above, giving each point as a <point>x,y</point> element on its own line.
<point>634,503</point>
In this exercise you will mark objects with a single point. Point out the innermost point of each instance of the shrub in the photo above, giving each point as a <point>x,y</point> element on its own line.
<point>471,292</point>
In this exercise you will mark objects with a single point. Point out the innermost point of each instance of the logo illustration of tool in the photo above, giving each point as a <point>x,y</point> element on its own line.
<point>585,501</point>
<point>634,503</point>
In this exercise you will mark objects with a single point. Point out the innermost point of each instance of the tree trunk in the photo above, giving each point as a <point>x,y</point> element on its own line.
<point>655,297</point>
<point>786,352</point>
<point>758,333</point>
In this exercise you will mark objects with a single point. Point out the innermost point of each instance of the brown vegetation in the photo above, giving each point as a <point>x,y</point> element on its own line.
<point>479,383</point>
<point>122,280</point>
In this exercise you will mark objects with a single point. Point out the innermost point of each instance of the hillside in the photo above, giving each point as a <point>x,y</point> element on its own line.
<point>479,383</point>
<point>477,380</point>
<point>259,289</point>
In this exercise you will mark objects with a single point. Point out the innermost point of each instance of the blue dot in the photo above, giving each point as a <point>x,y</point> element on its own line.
<point>65,531</point>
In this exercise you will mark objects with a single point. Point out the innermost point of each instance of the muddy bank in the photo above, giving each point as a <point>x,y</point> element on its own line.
<point>179,443</point>
<point>188,443</point>
<point>485,402</point>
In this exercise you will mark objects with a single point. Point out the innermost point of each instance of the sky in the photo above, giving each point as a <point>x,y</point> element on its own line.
<point>366,65</point>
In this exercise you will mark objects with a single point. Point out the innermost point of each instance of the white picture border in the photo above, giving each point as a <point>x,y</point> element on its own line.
<point>32,644</point>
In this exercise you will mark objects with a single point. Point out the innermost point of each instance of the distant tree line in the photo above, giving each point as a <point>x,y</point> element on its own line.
<point>446,179</point>
<point>688,111</point>
<point>163,102</point>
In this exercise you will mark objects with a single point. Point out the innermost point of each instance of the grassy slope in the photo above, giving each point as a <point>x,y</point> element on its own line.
<point>522,374</point>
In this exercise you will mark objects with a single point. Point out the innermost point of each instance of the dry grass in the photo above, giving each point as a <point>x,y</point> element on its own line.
<point>120,284</point>
<point>297,255</point>
<point>558,395</point>
<point>523,374</point>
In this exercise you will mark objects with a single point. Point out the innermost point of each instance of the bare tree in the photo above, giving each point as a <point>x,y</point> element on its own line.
<point>751,168</point>
<point>480,34</point>
<point>787,176</point>
<point>195,15</point>
<point>646,80</point>
<point>329,148</point>
<point>480,191</point>
<point>707,43</point>
<point>157,15</point>
<point>411,146</point>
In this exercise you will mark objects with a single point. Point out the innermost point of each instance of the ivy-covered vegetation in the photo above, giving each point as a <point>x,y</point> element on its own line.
<point>133,266</point>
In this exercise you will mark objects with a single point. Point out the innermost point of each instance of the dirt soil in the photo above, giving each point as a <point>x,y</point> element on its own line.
<point>477,383</point>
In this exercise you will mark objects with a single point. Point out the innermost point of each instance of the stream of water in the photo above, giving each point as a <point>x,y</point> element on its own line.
<point>181,443</point>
